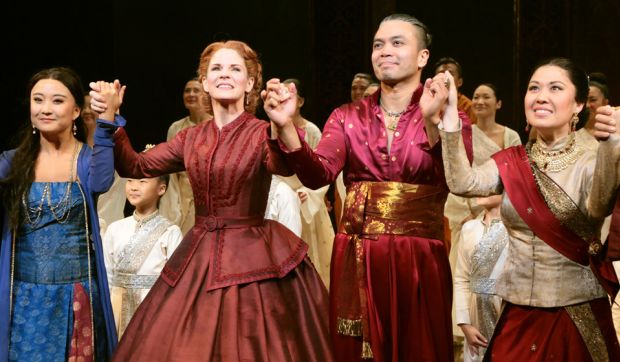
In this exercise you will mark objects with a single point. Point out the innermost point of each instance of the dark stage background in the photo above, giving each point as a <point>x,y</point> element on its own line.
<point>154,46</point>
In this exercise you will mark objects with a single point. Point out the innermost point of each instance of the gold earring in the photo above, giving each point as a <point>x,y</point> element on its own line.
<point>247,99</point>
<point>573,122</point>
<point>34,129</point>
<point>74,129</point>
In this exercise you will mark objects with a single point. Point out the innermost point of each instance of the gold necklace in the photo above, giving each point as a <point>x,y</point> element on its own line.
<point>555,161</point>
<point>394,117</point>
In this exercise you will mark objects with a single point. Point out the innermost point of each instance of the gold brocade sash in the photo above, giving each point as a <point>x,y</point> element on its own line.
<point>372,209</point>
<point>395,208</point>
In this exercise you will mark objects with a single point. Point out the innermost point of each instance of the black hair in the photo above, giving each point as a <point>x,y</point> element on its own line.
<point>494,88</point>
<point>449,60</point>
<point>300,90</point>
<point>599,80</point>
<point>424,35</point>
<point>21,175</point>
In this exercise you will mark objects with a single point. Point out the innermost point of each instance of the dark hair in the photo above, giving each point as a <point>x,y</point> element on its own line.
<point>300,89</point>
<point>424,35</point>
<point>363,76</point>
<point>493,88</point>
<point>21,175</point>
<point>449,60</point>
<point>577,76</point>
<point>165,179</point>
<point>599,80</point>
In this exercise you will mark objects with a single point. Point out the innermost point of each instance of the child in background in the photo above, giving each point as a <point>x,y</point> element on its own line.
<point>480,258</point>
<point>137,247</point>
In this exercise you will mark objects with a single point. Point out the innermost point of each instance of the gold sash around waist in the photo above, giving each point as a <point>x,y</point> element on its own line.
<point>395,208</point>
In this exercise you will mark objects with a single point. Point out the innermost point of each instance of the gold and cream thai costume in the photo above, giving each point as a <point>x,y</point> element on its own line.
<point>480,258</point>
<point>136,251</point>
<point>536,274</point>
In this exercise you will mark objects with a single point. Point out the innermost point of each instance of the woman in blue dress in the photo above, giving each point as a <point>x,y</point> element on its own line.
<point>54,298</point>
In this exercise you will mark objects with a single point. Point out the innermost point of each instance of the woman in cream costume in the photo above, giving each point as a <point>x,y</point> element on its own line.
<point>554,201</point>
<point>488,137</point>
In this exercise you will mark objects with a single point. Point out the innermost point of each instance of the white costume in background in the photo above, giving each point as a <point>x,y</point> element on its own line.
<point>480,259</point>
<point>457,209</point>
<point>283,205</point>
<point>135,253</point>
<point>317,229</point>
<point>111,205</point>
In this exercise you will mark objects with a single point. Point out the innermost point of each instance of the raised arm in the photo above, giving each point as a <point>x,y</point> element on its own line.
<point>606,178</point>
<point>314,168</point>
<point>164,158</point>
<point>439,106</point>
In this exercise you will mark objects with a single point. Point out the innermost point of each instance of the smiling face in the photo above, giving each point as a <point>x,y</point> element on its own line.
<point>145,192</point>
<point>396,53</point>
<point>227,79</point>
<point>358,86</point>
<point>193,95</point>
<point>485,102</point>
<point>550,100</point>
<point>52,107</point>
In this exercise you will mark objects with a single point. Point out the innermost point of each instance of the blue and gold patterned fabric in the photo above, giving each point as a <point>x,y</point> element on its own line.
<point>51,258</point>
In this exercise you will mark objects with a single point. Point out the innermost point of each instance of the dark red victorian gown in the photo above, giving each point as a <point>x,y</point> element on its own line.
<point>238,288</point>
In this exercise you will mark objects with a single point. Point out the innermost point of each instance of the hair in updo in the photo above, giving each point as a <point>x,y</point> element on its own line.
<point>252,64</point>
<point>599,80</point>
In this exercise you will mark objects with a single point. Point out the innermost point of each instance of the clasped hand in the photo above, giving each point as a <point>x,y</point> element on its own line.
<point>607,119</point>
<point>439,100</point>
<point>106,98</point>
<point>279,102</point>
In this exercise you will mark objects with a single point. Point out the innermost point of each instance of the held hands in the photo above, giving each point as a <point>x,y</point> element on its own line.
<point>439,100</point>
<point>280,102</point>
<point>607,119</point>
<point>106,98</point>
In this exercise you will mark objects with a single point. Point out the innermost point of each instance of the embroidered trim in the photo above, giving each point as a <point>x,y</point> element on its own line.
<point>133,281</point>
<point>586,324</point>
<point>349,327</point>
<point>133,255</point>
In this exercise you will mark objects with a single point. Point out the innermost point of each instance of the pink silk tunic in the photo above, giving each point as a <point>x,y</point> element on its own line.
<point>408,283</point>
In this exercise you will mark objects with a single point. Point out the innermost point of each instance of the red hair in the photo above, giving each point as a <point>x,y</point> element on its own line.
<point>252,64</point>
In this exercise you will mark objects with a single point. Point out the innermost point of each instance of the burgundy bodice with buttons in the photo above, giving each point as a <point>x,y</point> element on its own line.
<point>230,173</point>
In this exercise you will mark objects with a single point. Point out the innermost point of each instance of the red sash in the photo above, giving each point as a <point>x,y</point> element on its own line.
<point>520,185</point>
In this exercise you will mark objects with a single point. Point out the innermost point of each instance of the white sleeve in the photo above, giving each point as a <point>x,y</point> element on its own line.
<point>314,202</point>
<point>462,273</point>
<point>108,251</point>
<point>170,240</point>
<point>287,206</point>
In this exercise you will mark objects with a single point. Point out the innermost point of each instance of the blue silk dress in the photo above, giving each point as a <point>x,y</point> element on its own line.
<point>51,260</point>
